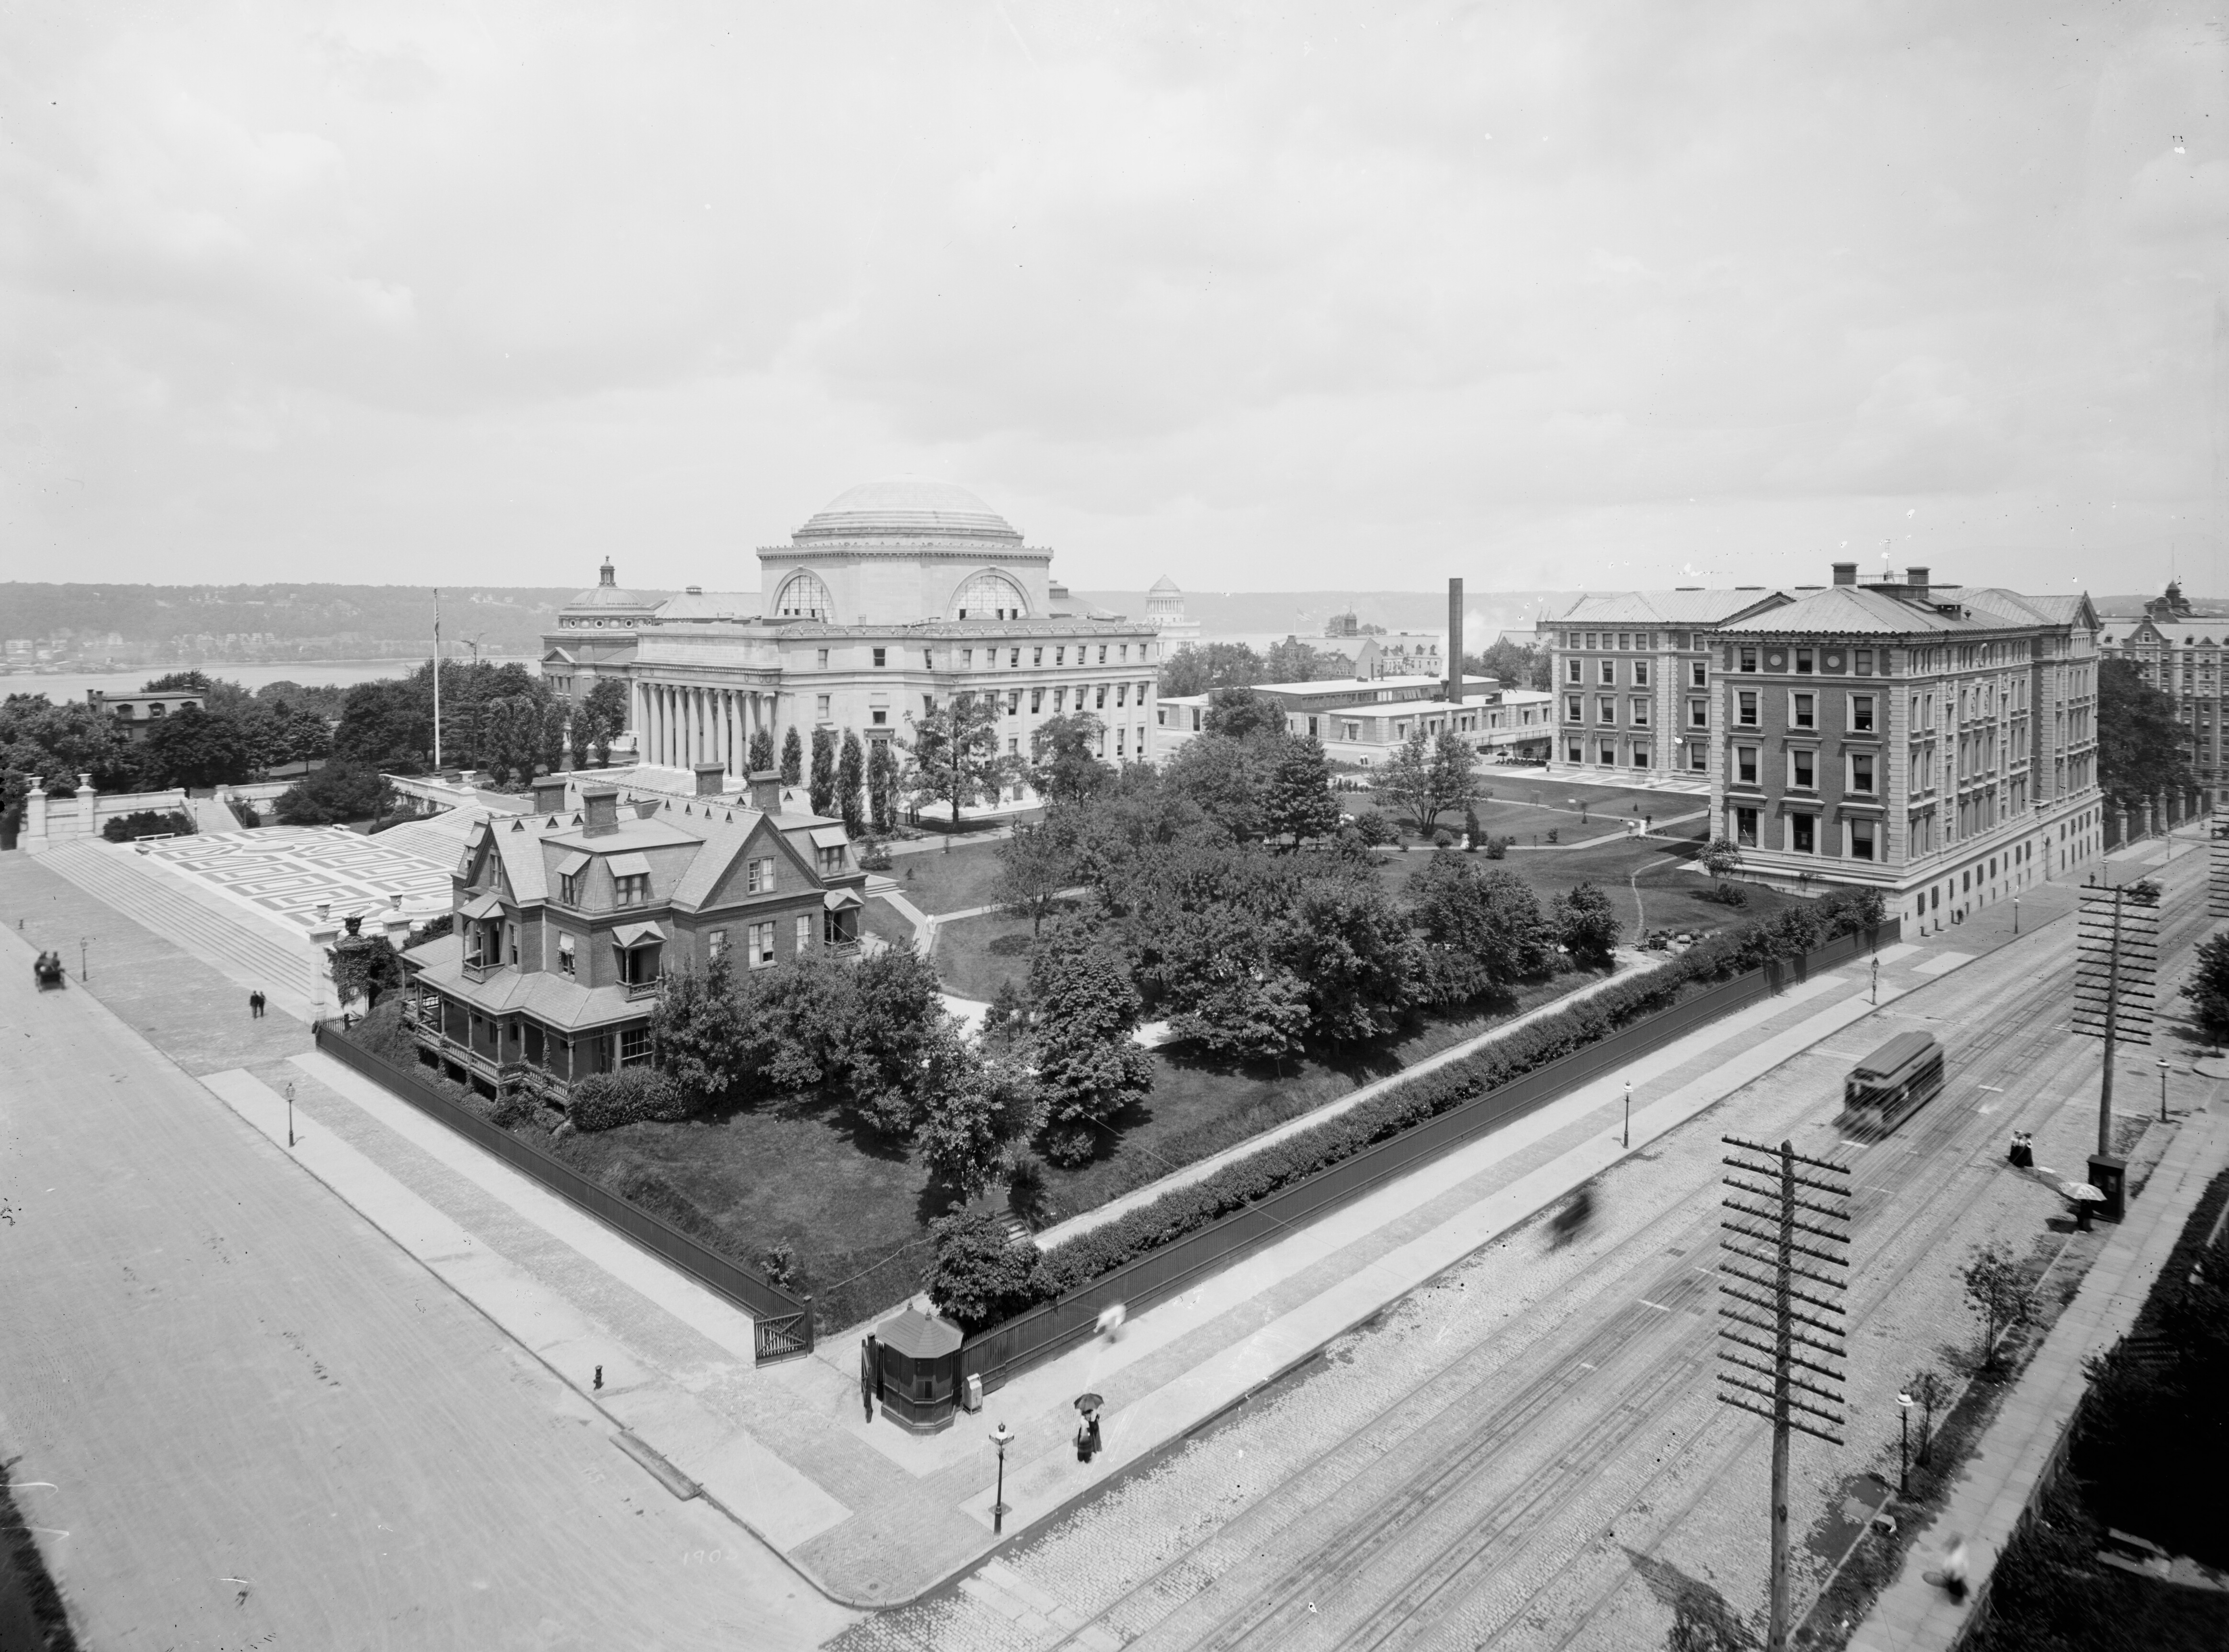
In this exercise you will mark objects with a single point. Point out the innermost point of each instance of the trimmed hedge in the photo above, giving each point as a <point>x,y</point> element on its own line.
<point>637,1095</point>
<point>1187,1210</point>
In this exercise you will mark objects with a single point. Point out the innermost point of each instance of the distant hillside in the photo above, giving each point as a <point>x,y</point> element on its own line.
<point>2210,607</point>
<point>1239,614</point>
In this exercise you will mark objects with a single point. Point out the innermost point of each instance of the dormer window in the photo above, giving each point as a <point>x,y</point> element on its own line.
<point>630,891</point>
<point>831,860</point>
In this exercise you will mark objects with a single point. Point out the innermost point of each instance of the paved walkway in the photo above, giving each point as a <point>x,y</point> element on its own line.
<point>1997,1480</point>
<point>873,1514</point>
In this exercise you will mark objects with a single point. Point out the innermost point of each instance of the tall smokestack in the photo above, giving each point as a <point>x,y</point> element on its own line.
<point>1455,641</point>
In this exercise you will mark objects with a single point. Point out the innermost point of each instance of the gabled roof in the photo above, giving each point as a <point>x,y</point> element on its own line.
<point>1854,610</point>
<point>1667,607</point>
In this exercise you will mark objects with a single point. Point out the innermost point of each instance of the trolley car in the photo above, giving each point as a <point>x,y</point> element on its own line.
<point>1901,1075</point>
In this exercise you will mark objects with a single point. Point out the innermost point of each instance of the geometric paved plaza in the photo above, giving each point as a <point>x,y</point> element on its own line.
<point>287,872</point>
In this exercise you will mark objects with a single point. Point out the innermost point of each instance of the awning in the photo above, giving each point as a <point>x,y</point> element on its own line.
<point>629,866</point>
<point>486,907</point>
<point>635,935</point>
<point>829,838</point>
<point>570,866</point>
<point>837,900</point>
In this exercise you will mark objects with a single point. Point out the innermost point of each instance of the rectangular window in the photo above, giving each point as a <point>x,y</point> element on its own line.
<point>758,877</point>
<point>634,1046</point>
<point>762,945</point>
<point>1865,659</point>
<point>1698,674</point>
<point>1098,703</point>
<point>831,857</point>
<point>1608,754</point>
<point>1574,710</point>
<point>1036,656</point>
<point>1698,756</point>
<point>1749,660</point>
<point>804,934</point>
<point>1745,828</point>
<point>510,942</point>
<point>966,658</point>
<point>1575,753</point>
<point>1013,702</point>
<point>1745,765</point>
<point>716,943</point>
<point>1803,711</point>
<point>1606,671</point>
<point>1861,772</point>
<point>1102,654</point>
<point>1592,640</point>
<point>567,960</point>
<point>1699,714</point>
<point>1745,708</point>
<point>1861,840</point>
<point>820,707</point>
<point>1037,700</point>
<point>1640,713</point>
<point>879,717</point>
<point>928,664</point>
<point>568,889</point>
<point>1122,694</point>
<point>1861,714</point>
<point>1803,834</point>
<point>1575,671</point>
<point>1606,711</point>
<point>882,657</point>
<point>1640,756</point>
<point>631,891</point>
<point>1060,656</point>
<point>1060,700</point>
<point>1803,770</point>
<point>1013,656</point>
<point>1123,652</point>
<point>822,661</point>
<point>929,705</point>
<point>1640,673</point>
<point>1803,662</point>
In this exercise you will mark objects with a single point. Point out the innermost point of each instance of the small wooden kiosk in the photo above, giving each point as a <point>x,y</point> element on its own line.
<point>920,1368</point>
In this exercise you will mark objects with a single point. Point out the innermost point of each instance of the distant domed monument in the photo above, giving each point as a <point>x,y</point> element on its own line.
<point>1165,611</point>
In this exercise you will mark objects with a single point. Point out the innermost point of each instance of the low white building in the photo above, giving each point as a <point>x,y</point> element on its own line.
<point>1363,721</point>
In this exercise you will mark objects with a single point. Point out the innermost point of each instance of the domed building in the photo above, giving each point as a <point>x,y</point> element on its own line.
<point>894,596</point>
<point>1165,611</point>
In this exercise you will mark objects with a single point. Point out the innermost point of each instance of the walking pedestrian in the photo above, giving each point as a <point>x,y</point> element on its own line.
<point>1953,1569</point>
<point>255,1004</point>
<point>1084,1441</point>
<point>1092,1422</point>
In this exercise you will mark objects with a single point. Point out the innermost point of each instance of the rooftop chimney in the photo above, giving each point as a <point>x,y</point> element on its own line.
<point>1455,641</point>
<point>549,794</point>
<point>1845,573</point>
<point>709,776</point>
<point>766,790</point>
<point>1916,578</point>
<point>600,811</point>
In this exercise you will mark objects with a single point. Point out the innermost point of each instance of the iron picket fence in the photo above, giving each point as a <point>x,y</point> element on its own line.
<point>783,1324</point>
<point>1041,1333</point>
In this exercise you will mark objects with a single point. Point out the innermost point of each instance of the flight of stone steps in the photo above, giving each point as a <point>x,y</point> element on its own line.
<point>254,952</point>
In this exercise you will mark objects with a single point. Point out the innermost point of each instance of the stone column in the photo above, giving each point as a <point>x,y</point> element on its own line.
<point>32,838</point>
<point>324,933</point>
<point>2144,819</point>
<point>86,825</point>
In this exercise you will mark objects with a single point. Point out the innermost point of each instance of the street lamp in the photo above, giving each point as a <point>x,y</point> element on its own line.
<point>289,1112</point>
<point>1904,1403</point>
<point>1626,1139</point>
<point>2162,1067</point>
<point>1876,973</point>
<point>84,974</point>
<point>1002,1437</point>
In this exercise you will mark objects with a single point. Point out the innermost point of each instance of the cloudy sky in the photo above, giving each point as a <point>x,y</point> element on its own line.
<point>1546,295</point>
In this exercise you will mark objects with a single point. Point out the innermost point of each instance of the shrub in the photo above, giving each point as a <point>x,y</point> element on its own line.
<point>148,823</point>
<point>337,791</point>
<point>513,1106</point>
<point>434,930</point>
<point>1725,895</point>
<point>1372,828</point>
<point>778,1263</point>
<point>1552,834</point>
<point>637,1095</point>
<point>1498,848</point>
<point>980,1275</point>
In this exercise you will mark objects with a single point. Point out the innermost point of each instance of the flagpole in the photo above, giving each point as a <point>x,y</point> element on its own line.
<point>437,679</point>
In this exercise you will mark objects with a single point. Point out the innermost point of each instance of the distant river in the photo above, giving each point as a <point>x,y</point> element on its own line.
<point>72,686</point>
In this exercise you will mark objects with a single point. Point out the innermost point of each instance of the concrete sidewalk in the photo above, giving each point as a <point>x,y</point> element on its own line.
<point>872,1514</point>
<point>1997,1480</point>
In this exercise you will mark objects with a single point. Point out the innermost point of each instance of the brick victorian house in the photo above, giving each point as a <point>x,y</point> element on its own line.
<point>567,920</point>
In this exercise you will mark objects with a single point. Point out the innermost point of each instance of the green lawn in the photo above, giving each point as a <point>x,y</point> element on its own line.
<point>1666,891</point>
<point>974,956</point>
<point>936,880</point>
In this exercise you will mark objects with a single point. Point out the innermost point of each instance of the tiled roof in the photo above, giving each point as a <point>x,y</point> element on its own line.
<point>1665,607</point>
<point>554,1000</point>
<point>1853,610</point>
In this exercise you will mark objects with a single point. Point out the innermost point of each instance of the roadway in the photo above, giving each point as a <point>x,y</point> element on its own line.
<point>240,1416</point>
<point>1530,1453</point>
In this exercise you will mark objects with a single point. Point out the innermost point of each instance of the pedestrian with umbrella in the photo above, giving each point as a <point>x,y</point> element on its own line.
<point>1087,1430</point>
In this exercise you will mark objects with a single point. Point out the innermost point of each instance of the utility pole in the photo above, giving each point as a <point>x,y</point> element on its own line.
<point>2116,965</point>
<point>1762,1262</point>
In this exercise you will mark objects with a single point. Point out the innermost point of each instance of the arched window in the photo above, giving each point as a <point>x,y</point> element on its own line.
<point>989,596</point>
<point>803,597</point>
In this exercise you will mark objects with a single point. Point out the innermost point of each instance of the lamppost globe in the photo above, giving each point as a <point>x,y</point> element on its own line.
<point>1904,1404</point>
<point>1002,1437</point>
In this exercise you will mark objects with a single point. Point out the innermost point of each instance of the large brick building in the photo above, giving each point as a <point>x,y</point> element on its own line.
<point>2183,653</point>
<point>1935,743</point>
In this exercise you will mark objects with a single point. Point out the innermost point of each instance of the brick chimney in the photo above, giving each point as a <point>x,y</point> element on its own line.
<point>1916,578</point>
<point>600,811</point>
<point>1845,573</point>
<point>549,794</point>
<point>766,790</point>
<point>709,776</point>
<point>1455,641</point>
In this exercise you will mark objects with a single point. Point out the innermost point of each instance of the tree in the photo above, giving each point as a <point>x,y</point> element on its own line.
<point>1482,927</point>
<point>1240,714</point>
<point>1354,949</point>
<point>972,1109</point>
<point>1065,766</point>
<point>557,715</point>
<point>1230,995</point>
<point>981,1273</point>
<point>1517,665</point>
<point>1297,661</point>
<point>1453,775</point>
<point>1088,1064</point>
<point>955,755</point>
<point>1997,1288</point>
<point>850,784</point>
<point>1212,666</point>
<point>1226,778</point>
<point>2207,988</point>
<point>823,791</point>
<point>1933,1394</point>
<point>1407,777</point>
<point>893,1011</point>
<point>1035,864</point>
<point>881,786</point>
<point>607,712</point>
<point>698,1033</point>
<point>1587,926</point>
<point>59,742</point>
<point>2143,747</point>
<point>388,724</point>
<point>792,758</point>
<point>1296,802</point>
<point>762,755</point>
<point>364,965</point>
<point>1720,856</point>
<point>196,748</point>
<point>338,792</point>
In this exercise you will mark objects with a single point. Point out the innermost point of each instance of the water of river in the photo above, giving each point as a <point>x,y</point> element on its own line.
<point>72,685</point>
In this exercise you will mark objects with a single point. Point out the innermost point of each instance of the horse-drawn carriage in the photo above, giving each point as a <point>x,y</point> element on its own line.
<point>47,970</point>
